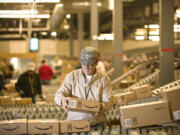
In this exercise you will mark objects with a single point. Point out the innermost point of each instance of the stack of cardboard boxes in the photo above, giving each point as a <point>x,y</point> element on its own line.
<point>135,93</point>
<point>153,113</point>
<point>7,100</point>
<point>46,126</point>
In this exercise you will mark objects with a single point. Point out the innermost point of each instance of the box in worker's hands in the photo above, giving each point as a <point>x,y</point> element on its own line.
<point>145,114</point>
<point>13,127</point>
<point>71,126</point>
<point>80,104</point>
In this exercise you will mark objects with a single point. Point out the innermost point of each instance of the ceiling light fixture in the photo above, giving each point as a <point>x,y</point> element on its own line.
<point>18,12</point>
<point>85,4</point>
<point>68,16</point>
<point>29,1</point>
<point>26,16</point>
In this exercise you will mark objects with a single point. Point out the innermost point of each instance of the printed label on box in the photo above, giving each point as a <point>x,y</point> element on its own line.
<point>119,99</point>
<point>73,104</point>
<point>176,115</point>
<point>128,123</point>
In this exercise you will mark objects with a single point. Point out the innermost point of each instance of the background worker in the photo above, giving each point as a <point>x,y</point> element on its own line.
<point>45,73</point>
<point>88,84</point>
<point>28,83</point>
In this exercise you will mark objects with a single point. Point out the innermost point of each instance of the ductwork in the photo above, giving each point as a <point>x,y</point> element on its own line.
<point>57,17</point>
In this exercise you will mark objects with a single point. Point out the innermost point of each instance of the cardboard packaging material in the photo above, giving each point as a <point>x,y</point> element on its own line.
<point>142,91</point>
<point>11,86</point>
<point>71,126</point>
<point>124,97</point>
<point>84,105</point>
<point>5,100</point>
<point>47,126</point>
<point>13,127</point>
<point>22,101</point>
<point>172,95</point>
<point>145,114</point>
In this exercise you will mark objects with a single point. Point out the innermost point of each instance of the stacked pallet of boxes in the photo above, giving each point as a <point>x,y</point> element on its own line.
<point>140,92</point>
<point>49,126</point>
<point>39,126</point>
<point>166,110</point>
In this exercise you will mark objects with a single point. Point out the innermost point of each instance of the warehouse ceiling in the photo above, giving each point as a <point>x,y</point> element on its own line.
<point>136,14</point>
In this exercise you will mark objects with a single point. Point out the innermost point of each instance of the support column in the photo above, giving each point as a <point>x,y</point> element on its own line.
<point>118,37</point>
<point>94,23</point>
<point>29,33</point>
<point>166,41</point>
<point>80,32</point>
<point>71,40</point>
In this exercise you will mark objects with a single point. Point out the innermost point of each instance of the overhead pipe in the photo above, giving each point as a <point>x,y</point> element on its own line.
<point>57,17</point>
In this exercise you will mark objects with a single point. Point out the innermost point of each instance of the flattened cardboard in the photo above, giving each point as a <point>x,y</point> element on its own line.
<point>84,105</point>
<point>172,95</point>
<point>46,126</point>
<point>72,126</point>
<point>13,127</point>
<point>145,114</point>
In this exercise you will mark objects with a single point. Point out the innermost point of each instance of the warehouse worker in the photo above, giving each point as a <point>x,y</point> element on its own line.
<point>28,84</point>
<point>45,73</point>
<point>88,84</point>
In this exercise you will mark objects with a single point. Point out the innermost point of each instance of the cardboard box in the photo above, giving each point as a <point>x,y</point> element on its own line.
<point>11,86</point>
<point>13,127</point>
<point>145,114</point>
<point>47,126</point>
<point>172,95</point>
<point>142,91</point>
<point>5,100</point>
<point>84,105</point>
<point>22,101</point>
<point>124,97</point>
<point>71,126</point>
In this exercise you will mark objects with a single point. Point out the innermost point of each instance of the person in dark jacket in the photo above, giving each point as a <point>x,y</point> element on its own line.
<point>2,83</point>
<point>28,84</point>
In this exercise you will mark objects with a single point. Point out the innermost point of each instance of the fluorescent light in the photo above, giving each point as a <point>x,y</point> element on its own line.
<point>68,16</point>
<point>154,32</point>
<point>139,37</point>
<point>85,4</point>
<point>153,26</point>
<point>26,16</point>
<point>177,11</point>
<point>29,1</point>
<point>107,36</point>
<point>140,32</point>
<point>154,38</point>
<point>111,4</point>
<point>53,33</point>
<point>24,12</point>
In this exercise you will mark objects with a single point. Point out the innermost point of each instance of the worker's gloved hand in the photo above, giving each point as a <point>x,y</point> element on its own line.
<point>65,103</point>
